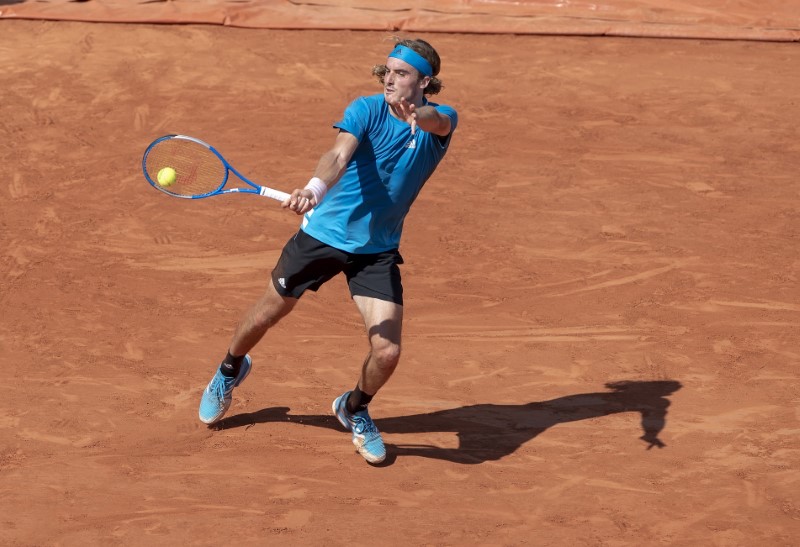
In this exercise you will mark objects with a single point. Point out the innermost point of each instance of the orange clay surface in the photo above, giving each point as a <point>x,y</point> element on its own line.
<point>611,246</point>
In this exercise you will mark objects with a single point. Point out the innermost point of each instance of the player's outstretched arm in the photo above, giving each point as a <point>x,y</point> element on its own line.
<point>330,168</point>
<point>426,118</point>
<point>429,119</point>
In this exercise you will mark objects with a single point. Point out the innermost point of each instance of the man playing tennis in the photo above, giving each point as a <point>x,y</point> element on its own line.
<point>387,146</point>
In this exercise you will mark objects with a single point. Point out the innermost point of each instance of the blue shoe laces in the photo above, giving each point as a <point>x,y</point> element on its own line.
<point>220,385</point>
<point>364,425</point>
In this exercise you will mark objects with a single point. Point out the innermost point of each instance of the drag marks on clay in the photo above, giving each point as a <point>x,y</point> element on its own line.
<point>165,121</point>
<point>153,521</point>
<point>87,43</point>
<point>302,70</point>
<point>218,264</point>
<point>73,379</point>
<point>496,372</point>
<point>181,399</point>
<point>704,189</point>
<point>31,435</point>
<point>609,252</point>
<point>8,422</point>
<point>655,370</point>
<point>133,352</point>
<point>141,116</point>
<point>570,281</point>
<point>142,120</point>
<point>292,519</point>
<point>17,188</point>
<point>200,507</point>
<point>755,494</point>
<point>23,257</point>
<point>641,276</point>
<point>618,486</point>
<point>669,530</point>
<point>162,239</point>
<point>716,306</point>
<point>635,157</point>
<point>737,420</point>
<point>764,305</point>
<point>479,333</point>
<point>49,223</point>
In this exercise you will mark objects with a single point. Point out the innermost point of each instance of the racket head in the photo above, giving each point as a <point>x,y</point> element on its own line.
<point>200,171</point>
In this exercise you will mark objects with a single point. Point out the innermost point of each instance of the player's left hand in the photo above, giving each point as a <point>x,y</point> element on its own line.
<point>407,111</point>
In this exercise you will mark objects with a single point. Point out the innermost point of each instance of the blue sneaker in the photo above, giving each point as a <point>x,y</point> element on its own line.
<point>366,436</point>
<point>218,394</point>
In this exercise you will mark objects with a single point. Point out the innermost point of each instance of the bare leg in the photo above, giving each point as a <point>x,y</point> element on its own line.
<point>383,321</point>
<point>265,313</point>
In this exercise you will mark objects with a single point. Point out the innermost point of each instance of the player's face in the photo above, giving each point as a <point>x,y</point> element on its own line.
<point>402,81</point>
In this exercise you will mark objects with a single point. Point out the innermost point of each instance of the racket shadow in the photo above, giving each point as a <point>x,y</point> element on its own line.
<point>489,432</point>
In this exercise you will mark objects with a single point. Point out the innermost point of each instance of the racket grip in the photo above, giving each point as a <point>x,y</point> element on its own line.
<point>274,194</point>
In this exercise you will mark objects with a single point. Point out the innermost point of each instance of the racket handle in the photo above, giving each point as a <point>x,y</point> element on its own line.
<point>274,194</point>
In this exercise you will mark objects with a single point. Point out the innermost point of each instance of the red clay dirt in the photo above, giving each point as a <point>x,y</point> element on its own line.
<point>610,245</point>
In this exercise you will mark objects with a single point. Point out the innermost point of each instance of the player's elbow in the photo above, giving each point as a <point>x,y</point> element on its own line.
<point>341,159</point>
<point>442,127</point>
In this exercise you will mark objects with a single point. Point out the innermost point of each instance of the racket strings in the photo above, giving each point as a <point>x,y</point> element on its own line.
<point>198,170</point>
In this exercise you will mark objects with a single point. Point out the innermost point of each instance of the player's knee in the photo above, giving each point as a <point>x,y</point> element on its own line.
<point>263,321</point>
<point>265,317</point>
<point>386,354</point>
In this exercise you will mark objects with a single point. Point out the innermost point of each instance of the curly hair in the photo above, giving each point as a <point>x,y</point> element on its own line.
<point>426,50</point>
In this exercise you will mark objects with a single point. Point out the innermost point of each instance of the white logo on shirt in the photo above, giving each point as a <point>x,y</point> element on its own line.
<point>412,143</point>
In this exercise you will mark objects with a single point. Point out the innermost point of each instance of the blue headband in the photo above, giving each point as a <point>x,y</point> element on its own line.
<point>413,58</point>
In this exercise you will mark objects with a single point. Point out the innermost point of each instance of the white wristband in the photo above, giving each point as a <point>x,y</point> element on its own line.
<point>318,188</point>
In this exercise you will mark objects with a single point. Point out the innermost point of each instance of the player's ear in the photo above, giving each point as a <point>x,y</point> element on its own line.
<point>424,81</point>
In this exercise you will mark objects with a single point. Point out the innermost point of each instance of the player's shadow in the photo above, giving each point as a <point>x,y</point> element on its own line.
<point>489,431</point>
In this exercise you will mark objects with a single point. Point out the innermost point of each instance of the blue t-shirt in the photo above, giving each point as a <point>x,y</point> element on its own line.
<point>364,212</point>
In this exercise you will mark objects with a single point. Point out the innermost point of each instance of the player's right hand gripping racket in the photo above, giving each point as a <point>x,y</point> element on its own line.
<point>200,171</point>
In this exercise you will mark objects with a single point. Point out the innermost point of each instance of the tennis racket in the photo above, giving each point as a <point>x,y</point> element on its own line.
<point>199,170</point>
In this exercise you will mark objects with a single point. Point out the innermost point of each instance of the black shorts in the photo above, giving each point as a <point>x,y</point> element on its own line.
<point>306,263</point>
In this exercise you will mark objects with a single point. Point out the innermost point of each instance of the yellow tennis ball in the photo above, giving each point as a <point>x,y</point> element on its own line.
<point>166,177</point>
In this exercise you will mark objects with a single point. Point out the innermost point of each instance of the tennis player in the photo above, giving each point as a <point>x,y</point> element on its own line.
<point>353,210</point>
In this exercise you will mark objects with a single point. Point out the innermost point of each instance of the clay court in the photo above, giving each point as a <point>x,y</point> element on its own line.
<point>601,340</point>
